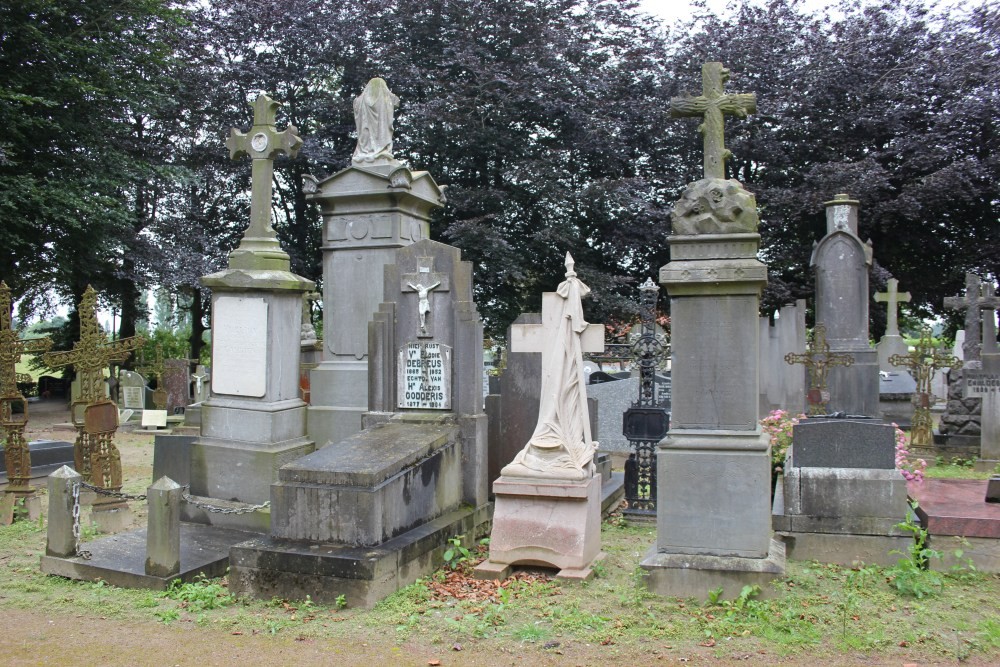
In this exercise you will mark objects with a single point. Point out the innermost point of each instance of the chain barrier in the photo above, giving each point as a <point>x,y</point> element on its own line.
<point>200,504</point>
<point>76,522</point>
<point>112,494</point>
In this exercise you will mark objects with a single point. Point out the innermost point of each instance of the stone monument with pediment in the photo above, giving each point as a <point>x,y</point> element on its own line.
<point>369,514</point>
<point>713,468</point>
<point>370,209</point>
<point>841,262</point>
<point>254,421</point>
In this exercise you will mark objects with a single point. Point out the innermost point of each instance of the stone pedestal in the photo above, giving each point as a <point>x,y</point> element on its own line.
<point>888,346</point>
<point>368,213</point>
<point>550,523</point>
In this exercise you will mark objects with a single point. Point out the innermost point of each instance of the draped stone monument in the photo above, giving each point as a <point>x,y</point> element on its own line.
<point>714,470</point>
<point>369,210</point>
<point>254,421</point>
<point>548,499</point>
<point>841,262</point>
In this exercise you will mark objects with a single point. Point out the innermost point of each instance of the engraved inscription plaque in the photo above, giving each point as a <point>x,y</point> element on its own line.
<point>132,397</point>
<point>424,376</point>
<point>239,346</point>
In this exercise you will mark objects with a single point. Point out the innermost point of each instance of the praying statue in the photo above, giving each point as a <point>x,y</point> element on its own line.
<point>561,446</point>
<point>373,112</point>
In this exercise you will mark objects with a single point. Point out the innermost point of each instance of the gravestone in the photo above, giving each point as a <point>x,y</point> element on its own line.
<point>548,499</point>
<point>132,391</point>
<point>413,478</point>
<point>895,398</point>
<point>714,471</point>
<point>369,210</point>
<point>985,385</point>
<point>841,263</point>
<point>613,399</point>
<point>177,383</point>
<point>254,421</point>
<point>891,343</point>
<point>841,497</point>
<point>782,387</point>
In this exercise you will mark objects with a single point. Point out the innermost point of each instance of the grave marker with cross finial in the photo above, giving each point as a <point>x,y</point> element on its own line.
<point>818,359</point>
<point>259,248</point>
<point>94,452</point>
<point>712,106</point>
<point>922,362</point>
<point>892,296</point>
<point>972,302</point>
<point>13,406</point>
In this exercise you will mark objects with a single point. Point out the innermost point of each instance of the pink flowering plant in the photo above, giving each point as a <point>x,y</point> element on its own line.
<point>778,426</point>
<point>913,471</point>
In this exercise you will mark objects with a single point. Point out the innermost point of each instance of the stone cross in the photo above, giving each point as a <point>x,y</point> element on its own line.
<point>422,282</point>
<point>892,297</point>
<point>990,303</point>
<point>16,453</point>
<point>712,105</point>
<point>972,302</point>
<point>922,362</point>
<point>262,143</point>
<point>819,360</point>
<point>94,453</point>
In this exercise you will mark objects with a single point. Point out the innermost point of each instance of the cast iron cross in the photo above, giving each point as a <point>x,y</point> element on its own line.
<point>921,363</point>
<point>819,360</point>
<point>712,105</point>
<point>262,143</point>
<point>892,296</point>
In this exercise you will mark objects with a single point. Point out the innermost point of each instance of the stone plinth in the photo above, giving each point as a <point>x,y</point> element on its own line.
<point>550,523</point>
<point>368,213</point>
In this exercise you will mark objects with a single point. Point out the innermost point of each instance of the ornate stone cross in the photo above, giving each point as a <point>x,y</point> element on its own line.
<point>94,452</point>
<point>262,143</point>
<point>712,105</point>
<point>13,406</point>
<point>819,360</point>
<point>892,297</point>
<point>922,362</point>
<point>973,302</point>
<point>422,282</point>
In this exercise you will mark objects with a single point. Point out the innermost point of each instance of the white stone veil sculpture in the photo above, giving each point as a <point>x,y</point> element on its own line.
<point>373,115</point>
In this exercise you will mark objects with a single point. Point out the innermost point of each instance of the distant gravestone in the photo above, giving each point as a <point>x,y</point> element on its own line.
<point>177,382</point>
<point>843,443</point>
<point>985,385</point>
<point>891,343</point>
<point>153,419</point>
<point>132,390</point>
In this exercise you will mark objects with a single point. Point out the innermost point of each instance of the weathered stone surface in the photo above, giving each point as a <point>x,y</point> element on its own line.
<point>782,385</point>
<point>843,443</point>
<point>692,576</point>
<point>59,536</point>
<point>715,206</point>
<point>163,529</point>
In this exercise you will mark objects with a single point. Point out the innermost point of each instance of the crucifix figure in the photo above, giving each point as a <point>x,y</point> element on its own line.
<point>561,446</point>
<point>262,143</point>
<point>95,456</point>
<point>712,105</point>
<point>972,302</point>
<point>13,406</point>
<point>892,297</point>
<point>422,282</point>
<point>819,360</point>
<point>922,362</point>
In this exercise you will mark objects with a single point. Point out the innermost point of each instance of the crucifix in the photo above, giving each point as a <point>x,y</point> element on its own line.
<point>13,406</point>
<point>95,456</point>
<point>262,143</point>
<point>712,105</point>
<point>422,282</point>
<point>892,296</point>
<point>922,362</point>
<point>972,303</point>
<point>819,360</point>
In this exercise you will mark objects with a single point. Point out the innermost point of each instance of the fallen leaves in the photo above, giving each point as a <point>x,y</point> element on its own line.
<point>458,585</point>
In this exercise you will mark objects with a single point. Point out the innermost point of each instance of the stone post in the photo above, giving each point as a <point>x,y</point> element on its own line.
<point>60,540</point>
<point>163,532</point>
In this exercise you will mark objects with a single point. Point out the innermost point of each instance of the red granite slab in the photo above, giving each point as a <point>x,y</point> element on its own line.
<point>956,507</point>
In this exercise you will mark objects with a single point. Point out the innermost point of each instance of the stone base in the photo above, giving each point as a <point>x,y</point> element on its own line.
<point>112,521</point>
<point>984,552</point>
<point>693,576</point>
<point>551,523</point>
<point>120,560</point>
<point>847,550</point>
<point>267,567</point>
<point>497,571</point>
<point>986,465</point>
<point>612,492</point>
<point>240,471</point>
<point>258,521</point>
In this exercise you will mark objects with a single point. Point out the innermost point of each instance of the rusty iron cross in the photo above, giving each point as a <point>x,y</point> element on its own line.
<point>712,106</point>
<point>262,143</point>
<point>819,360</point>
<point>12,347</point>
<point>921,363</point>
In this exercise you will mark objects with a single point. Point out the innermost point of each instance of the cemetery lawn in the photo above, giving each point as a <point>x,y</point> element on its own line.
<point>818,615</point>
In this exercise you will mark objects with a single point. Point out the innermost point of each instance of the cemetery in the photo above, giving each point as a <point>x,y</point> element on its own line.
<point>387,445</point>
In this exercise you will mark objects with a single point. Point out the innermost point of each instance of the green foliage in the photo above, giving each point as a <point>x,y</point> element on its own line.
<point>340,601</point>
<point>199,595</point>
<point>911,574</point>
<point>456,553</point>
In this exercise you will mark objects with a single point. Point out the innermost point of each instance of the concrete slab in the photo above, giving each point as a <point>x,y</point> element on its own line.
<point>693,576</point>
<point>120,560</point>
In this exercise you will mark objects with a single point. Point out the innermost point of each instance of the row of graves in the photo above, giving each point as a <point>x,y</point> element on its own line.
<point>357,491</point>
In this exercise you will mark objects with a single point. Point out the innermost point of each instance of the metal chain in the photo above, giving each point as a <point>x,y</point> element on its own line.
<point>224,510</point>
<point>112,494</point>
<point>76,522</point>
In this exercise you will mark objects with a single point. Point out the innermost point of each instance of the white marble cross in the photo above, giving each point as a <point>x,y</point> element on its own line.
<point>892,297</point>
<point>538,337</point>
